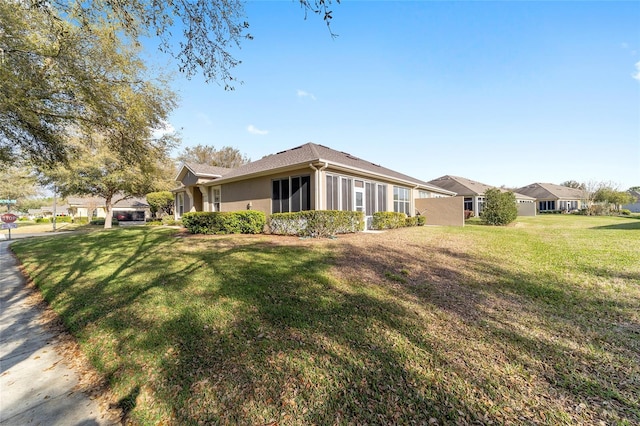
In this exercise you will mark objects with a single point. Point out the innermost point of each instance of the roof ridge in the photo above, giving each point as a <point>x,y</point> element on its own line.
<point>314,149</point>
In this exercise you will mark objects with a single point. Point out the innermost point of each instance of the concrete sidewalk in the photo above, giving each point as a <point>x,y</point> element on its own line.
<point>37,386</point>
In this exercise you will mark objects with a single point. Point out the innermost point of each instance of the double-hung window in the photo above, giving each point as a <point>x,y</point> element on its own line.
<point>180,202</point>
<point>401,202</point>
<point>216,199</point>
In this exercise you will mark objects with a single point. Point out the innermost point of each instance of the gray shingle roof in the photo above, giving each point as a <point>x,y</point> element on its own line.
<point>551,191</point>
<point>207,170</point>
<point>464,186</point>
<point>309,153</point>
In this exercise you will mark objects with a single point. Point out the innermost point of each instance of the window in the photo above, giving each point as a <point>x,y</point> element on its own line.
<point>333,194</point>
<point>347,194</point>
<point>382,198</point>
<point>339,193</point>
<point>547,205</point>
<point>424,194</point>
<point>291,194</point>
<point>401,202</point>
<point>480,204</point>
<point>216,199</point>
<point>370,196</point>
<point>468,203</point>
<point>180,204</point>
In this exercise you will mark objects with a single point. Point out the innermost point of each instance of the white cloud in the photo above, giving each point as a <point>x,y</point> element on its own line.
<point>165,129</point>
<point>636,75</point>
<point>255,131</point>
<point>305,94</point>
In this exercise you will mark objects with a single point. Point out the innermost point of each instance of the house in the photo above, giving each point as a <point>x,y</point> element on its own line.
<point>473,194</point>
<point>551,197</point>
<point>635,206</point>
<point>307,177</point>
<point>91,207</point>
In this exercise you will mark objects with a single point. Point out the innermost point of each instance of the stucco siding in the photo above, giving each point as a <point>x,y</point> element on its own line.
<point>447,211</point>
<point>526,209</point>
<point>257,191</point>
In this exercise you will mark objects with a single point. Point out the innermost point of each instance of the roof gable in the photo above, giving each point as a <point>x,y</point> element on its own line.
<point>551,191</point>
<point>201,171</point>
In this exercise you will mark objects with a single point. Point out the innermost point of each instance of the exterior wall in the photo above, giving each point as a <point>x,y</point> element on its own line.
<point>526,209</point>
<point>635,207</point>
<point>447,211</point>
<point>237,195</point>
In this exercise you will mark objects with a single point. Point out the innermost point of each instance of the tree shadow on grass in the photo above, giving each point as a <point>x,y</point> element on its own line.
<point>253,332</point>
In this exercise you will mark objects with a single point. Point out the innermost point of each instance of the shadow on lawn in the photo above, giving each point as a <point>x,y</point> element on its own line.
<point>301,335</point>
<point>307,348</point>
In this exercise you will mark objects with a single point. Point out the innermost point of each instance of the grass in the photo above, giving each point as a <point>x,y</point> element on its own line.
<point>534,323</point>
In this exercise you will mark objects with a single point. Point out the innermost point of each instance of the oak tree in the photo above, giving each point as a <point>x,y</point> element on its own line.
<point>206,154</point>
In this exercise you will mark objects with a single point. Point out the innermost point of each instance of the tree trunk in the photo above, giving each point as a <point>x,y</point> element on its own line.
<point>109,213</point>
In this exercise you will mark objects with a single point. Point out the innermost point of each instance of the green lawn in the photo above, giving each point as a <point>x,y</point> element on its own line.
<point>538,322</point>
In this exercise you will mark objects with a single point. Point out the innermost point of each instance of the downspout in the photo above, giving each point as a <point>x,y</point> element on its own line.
<point>318,190</point>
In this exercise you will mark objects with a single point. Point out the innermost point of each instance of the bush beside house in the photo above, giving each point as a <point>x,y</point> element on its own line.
<point>239,222</point>
<point>316,223</point>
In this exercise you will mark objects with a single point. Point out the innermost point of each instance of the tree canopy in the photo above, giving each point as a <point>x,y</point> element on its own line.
<point>62,81</point>
<point>206,154</point>
<point>573,184</point>
<point>97,171</point>
<point>210,29</point>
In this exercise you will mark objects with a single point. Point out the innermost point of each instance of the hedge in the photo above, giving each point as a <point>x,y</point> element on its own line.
<point>316,223</point>
<point>100,221</point>
<point>239,222</point>
<point>391,220</point>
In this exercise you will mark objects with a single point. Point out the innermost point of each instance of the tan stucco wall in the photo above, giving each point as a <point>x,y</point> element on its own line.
<point>447,211</point>
<point>526,209</point>
<point>237,195</point>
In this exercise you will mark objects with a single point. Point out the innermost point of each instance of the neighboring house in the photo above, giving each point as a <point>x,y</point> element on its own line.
<point>473,194</point>
<point>91,207</point>
<point>551,197</point>
<point>633,207</point>
<point>308,177</point>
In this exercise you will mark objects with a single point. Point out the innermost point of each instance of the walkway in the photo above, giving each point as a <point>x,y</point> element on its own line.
<point>37,386</point>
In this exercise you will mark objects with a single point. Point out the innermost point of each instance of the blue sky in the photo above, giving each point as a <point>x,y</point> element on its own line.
<point>499,92</point>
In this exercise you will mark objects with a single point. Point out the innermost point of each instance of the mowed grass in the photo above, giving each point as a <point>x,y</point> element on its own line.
<point>535,323</point>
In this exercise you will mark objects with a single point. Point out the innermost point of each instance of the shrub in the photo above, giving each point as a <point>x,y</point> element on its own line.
<point>155,222</point>
<point>81,220</point>
<point>43,220</point>
<point>389,220</point>
<point>170,221</point>
<point>239,222</point>
<point>64,219</point>
<point>411,221</point>
<point>422,220</point>
<point>100,221</point>
<point>625,212</point>
<point>23,219</point>
<point>316,223</point>
<point>499,207</point>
